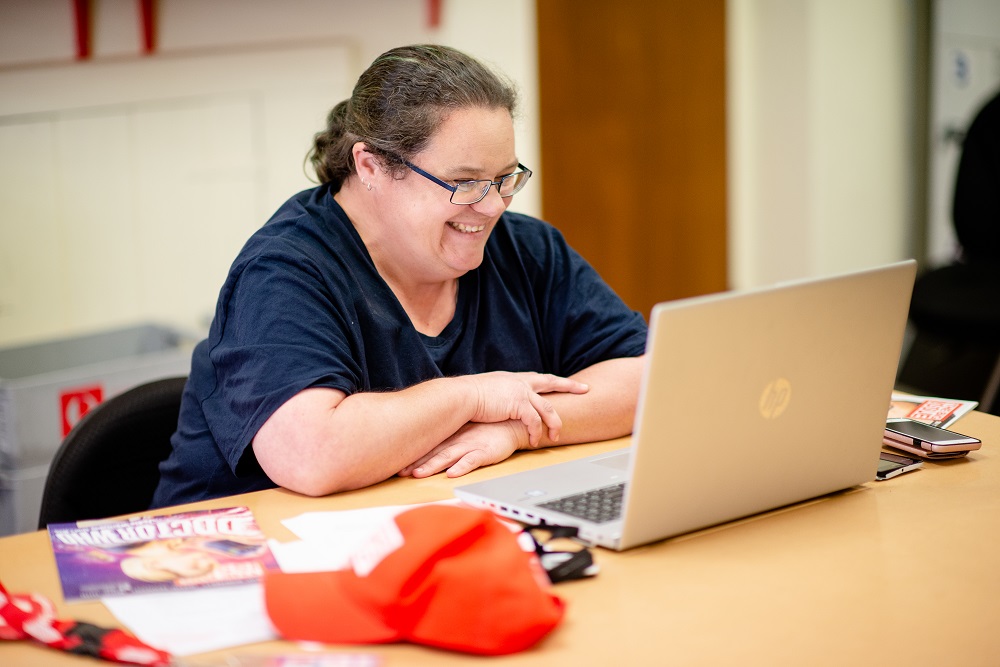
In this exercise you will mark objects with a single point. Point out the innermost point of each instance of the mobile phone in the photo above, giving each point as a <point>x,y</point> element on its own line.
<point>890,465</point>
<point>923,453</point>
<point>927,437</point>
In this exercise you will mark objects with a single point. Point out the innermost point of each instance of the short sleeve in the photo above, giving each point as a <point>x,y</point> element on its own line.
<point>582,321</point>
<point>282,331</point>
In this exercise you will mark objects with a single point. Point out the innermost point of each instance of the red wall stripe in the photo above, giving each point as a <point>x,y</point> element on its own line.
<point>147,17</point>
<point>81,13</point>
<point>434,13</point>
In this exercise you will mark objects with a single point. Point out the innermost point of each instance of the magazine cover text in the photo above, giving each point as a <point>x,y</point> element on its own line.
<point>158,553</point>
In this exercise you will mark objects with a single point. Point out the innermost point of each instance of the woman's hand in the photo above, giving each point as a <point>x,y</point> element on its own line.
<point>510,414</point>
<point>473,446</point>
<point>503,396</point>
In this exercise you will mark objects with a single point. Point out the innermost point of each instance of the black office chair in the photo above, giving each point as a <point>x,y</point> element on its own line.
<point>955,310</point>
<point>955,313</point>
<point>109,463</point>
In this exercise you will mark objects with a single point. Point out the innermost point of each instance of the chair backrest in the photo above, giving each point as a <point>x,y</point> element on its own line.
<point>976,206</point>
<point>109,463</point>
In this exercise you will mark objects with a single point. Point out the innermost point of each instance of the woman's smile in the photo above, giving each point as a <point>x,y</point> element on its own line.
<point>466,229</point>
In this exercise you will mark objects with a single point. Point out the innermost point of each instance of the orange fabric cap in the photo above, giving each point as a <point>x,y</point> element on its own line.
<point>456,579</point>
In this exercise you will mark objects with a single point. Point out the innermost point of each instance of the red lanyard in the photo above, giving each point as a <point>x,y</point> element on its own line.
<point>32,616</point>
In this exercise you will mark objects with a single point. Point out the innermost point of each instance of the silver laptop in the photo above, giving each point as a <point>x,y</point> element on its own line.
<point>749,401</point>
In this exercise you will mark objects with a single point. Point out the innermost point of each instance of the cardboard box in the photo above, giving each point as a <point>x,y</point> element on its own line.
<point>45,389</point>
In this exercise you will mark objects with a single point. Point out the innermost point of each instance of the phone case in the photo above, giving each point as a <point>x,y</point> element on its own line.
<point>946,441</point>
<point>923,453</point>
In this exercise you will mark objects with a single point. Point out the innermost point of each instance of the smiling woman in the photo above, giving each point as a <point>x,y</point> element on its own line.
<point>397,319</point>
<point>469,146</point>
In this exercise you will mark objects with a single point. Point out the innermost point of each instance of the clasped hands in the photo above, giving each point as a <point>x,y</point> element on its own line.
<point>513,413</point>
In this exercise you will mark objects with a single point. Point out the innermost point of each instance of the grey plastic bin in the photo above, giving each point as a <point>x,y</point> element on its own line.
<point>46,387</point>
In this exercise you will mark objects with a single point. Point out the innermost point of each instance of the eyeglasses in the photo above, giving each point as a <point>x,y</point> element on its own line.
<point>563,559</point>
<point>465,193</point>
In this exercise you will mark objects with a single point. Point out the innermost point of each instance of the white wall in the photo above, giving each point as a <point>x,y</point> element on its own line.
<point>130,182</point>
<point>819,121</point>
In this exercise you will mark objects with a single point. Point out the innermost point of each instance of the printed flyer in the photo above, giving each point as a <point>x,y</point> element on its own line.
<point>929,409</point>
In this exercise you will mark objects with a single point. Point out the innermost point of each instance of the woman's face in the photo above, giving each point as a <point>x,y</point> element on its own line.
<point>426,237</point>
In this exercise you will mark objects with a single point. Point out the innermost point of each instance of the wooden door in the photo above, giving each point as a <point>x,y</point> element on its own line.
<point>633,141</point>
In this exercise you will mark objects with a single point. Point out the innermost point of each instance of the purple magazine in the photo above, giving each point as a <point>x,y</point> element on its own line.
<point>173,552</point>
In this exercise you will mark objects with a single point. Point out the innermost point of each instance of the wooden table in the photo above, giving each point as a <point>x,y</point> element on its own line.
<point>901,572</point>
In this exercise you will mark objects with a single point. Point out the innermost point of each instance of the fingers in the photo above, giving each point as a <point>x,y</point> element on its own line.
<point>438,458</point>
<point>408,470</point>
<point>519,396</point>
<point>466,464</point>
<point>543,410</point>
<point>543,415</point>
<point>473,446</point>
<point>532,418</point>
<point>543,383</point>
<point>433,463</point>
<point>427,466</point>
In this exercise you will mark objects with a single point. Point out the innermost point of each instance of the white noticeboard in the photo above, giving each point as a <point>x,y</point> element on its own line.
<point>130,185</point>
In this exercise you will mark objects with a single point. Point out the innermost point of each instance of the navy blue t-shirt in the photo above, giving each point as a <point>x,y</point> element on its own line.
<point>303,306</point>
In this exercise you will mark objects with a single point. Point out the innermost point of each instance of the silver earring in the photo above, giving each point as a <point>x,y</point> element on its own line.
<point>369,186</point>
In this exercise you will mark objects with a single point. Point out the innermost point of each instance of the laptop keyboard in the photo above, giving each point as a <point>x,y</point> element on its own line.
<point>598,505</point>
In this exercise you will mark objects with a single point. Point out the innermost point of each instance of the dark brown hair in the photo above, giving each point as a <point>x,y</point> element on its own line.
<point>399,102</point>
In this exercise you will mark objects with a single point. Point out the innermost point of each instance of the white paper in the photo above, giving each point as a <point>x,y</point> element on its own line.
<point>187,622</point>
<point>330,538</point>
<point>210,619</point>
<point>347,524</point>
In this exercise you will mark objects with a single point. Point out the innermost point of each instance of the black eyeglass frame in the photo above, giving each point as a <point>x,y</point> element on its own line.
<point>486,189</point>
